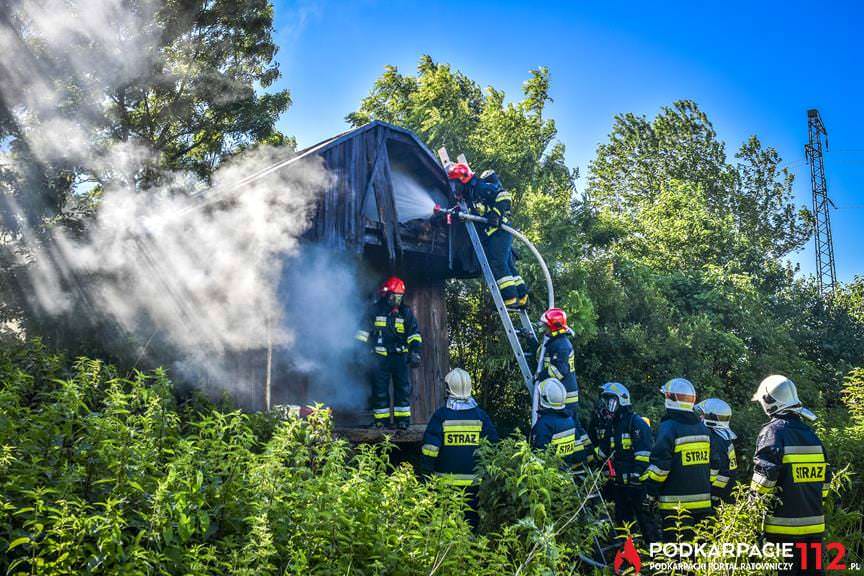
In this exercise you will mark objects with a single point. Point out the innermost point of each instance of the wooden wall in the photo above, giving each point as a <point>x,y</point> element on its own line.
<point>426,298</point>
<point>360,163</point>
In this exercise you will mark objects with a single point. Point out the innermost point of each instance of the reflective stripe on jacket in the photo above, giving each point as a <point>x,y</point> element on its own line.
<point>724,465</point>
<point>791,463</point>
<point>678,470</point>
<point>631,442</point>
<point>450,440</point>
<point>600,431</point>
<point>487,195</point>
<point>559,362</point>
<point>390,331</point>
<point>557,428</point>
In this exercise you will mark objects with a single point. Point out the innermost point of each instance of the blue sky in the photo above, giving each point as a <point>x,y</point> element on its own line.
<point>754,67</point>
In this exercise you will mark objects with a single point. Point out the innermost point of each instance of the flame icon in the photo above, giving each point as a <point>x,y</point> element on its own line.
<point>629,555</point>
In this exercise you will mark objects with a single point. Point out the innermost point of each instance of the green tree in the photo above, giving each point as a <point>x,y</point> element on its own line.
<point>195,89</point>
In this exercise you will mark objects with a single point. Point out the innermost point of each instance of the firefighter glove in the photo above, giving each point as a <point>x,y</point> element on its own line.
<point>414,359</point>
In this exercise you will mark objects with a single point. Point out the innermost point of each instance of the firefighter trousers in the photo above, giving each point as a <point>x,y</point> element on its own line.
<point>628,508</point>
<point>393,367</point>
<point>499,251</point>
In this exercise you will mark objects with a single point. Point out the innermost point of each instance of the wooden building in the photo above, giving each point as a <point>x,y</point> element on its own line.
<point>372,210</point>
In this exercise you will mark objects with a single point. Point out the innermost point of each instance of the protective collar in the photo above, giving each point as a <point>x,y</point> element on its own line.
<point>457,404</point>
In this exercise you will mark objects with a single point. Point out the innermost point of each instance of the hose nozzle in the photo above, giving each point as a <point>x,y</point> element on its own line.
<point>448,213</point>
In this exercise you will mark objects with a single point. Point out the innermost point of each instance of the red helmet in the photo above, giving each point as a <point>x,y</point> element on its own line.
<point>460,171</point>
<point>392,285</point>
<point>555,319</point>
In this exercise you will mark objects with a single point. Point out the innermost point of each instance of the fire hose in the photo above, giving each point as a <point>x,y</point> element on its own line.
<point>462,215</point>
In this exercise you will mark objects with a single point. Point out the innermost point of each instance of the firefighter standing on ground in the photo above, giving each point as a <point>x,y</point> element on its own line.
<point>556,427</point>
<point>678,474</point>
<point>452,436</point>
<point>394,340</point>
<point>791,463</point>
<point>630,446</point>
<point>600,430</point>
<point>716,415</point>
<point>487,197</point>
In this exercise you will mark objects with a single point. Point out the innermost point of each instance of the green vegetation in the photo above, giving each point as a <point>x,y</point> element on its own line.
<point>671,260</point>
<point>101,474</point>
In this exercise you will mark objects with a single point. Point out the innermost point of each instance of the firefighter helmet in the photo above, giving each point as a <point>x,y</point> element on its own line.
<point>778,395</point>
<point>714,412</point>
<point>392,285</point>
<point>555,319</point>
<point>458,384</point>
<point>617,390</point>
<point>552,394</point>
<point>459,171</point>
<point>680,394</point>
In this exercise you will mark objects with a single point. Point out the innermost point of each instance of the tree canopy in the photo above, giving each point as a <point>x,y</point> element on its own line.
<point>672,261</point>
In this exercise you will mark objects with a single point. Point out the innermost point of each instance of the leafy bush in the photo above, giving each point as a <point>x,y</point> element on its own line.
<point>104,474</point>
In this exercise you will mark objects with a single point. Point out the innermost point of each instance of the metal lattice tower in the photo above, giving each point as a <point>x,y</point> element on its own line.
<point>826,274</point>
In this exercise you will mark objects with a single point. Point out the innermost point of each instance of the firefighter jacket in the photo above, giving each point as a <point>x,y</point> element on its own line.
<point>724,463</point>
<point>600,432</point>
<point>631,445</point>
<point>790,462</point>
<point>451,437</point>
<point>558,429</point>
<point>487,196</point>
<point>559,362</point>
<point>389,330</point>
<point>678,472</point>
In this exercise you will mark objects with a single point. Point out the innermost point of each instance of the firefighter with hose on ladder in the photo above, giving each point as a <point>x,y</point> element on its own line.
<point>486,197</point>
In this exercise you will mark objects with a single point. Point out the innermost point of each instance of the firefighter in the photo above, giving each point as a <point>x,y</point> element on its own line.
<point>791,463</point>
<point>600,429</point>
<point>630,449</point>
<point>452,436</point>
<point>558,356</point>
<point>678,476</point>
<point>716,414</point>
<point>487,197</point>
<point>391,333</point>
<point>555,426</point>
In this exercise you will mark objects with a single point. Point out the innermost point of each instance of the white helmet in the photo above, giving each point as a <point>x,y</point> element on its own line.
<point>680,394</point>
<point>552,394</point>
<point>616,389</point>
<point>778,395</point>
<point>714,412</point>
<point>458,384</point>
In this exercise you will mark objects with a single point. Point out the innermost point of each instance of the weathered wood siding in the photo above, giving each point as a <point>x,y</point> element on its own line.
<point>427,302</point>
<point>360,163</point>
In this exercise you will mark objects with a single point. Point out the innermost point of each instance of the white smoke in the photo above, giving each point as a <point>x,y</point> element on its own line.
<point>204,276</point>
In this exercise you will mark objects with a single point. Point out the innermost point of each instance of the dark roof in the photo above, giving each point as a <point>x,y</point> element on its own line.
<point>354,132</point>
